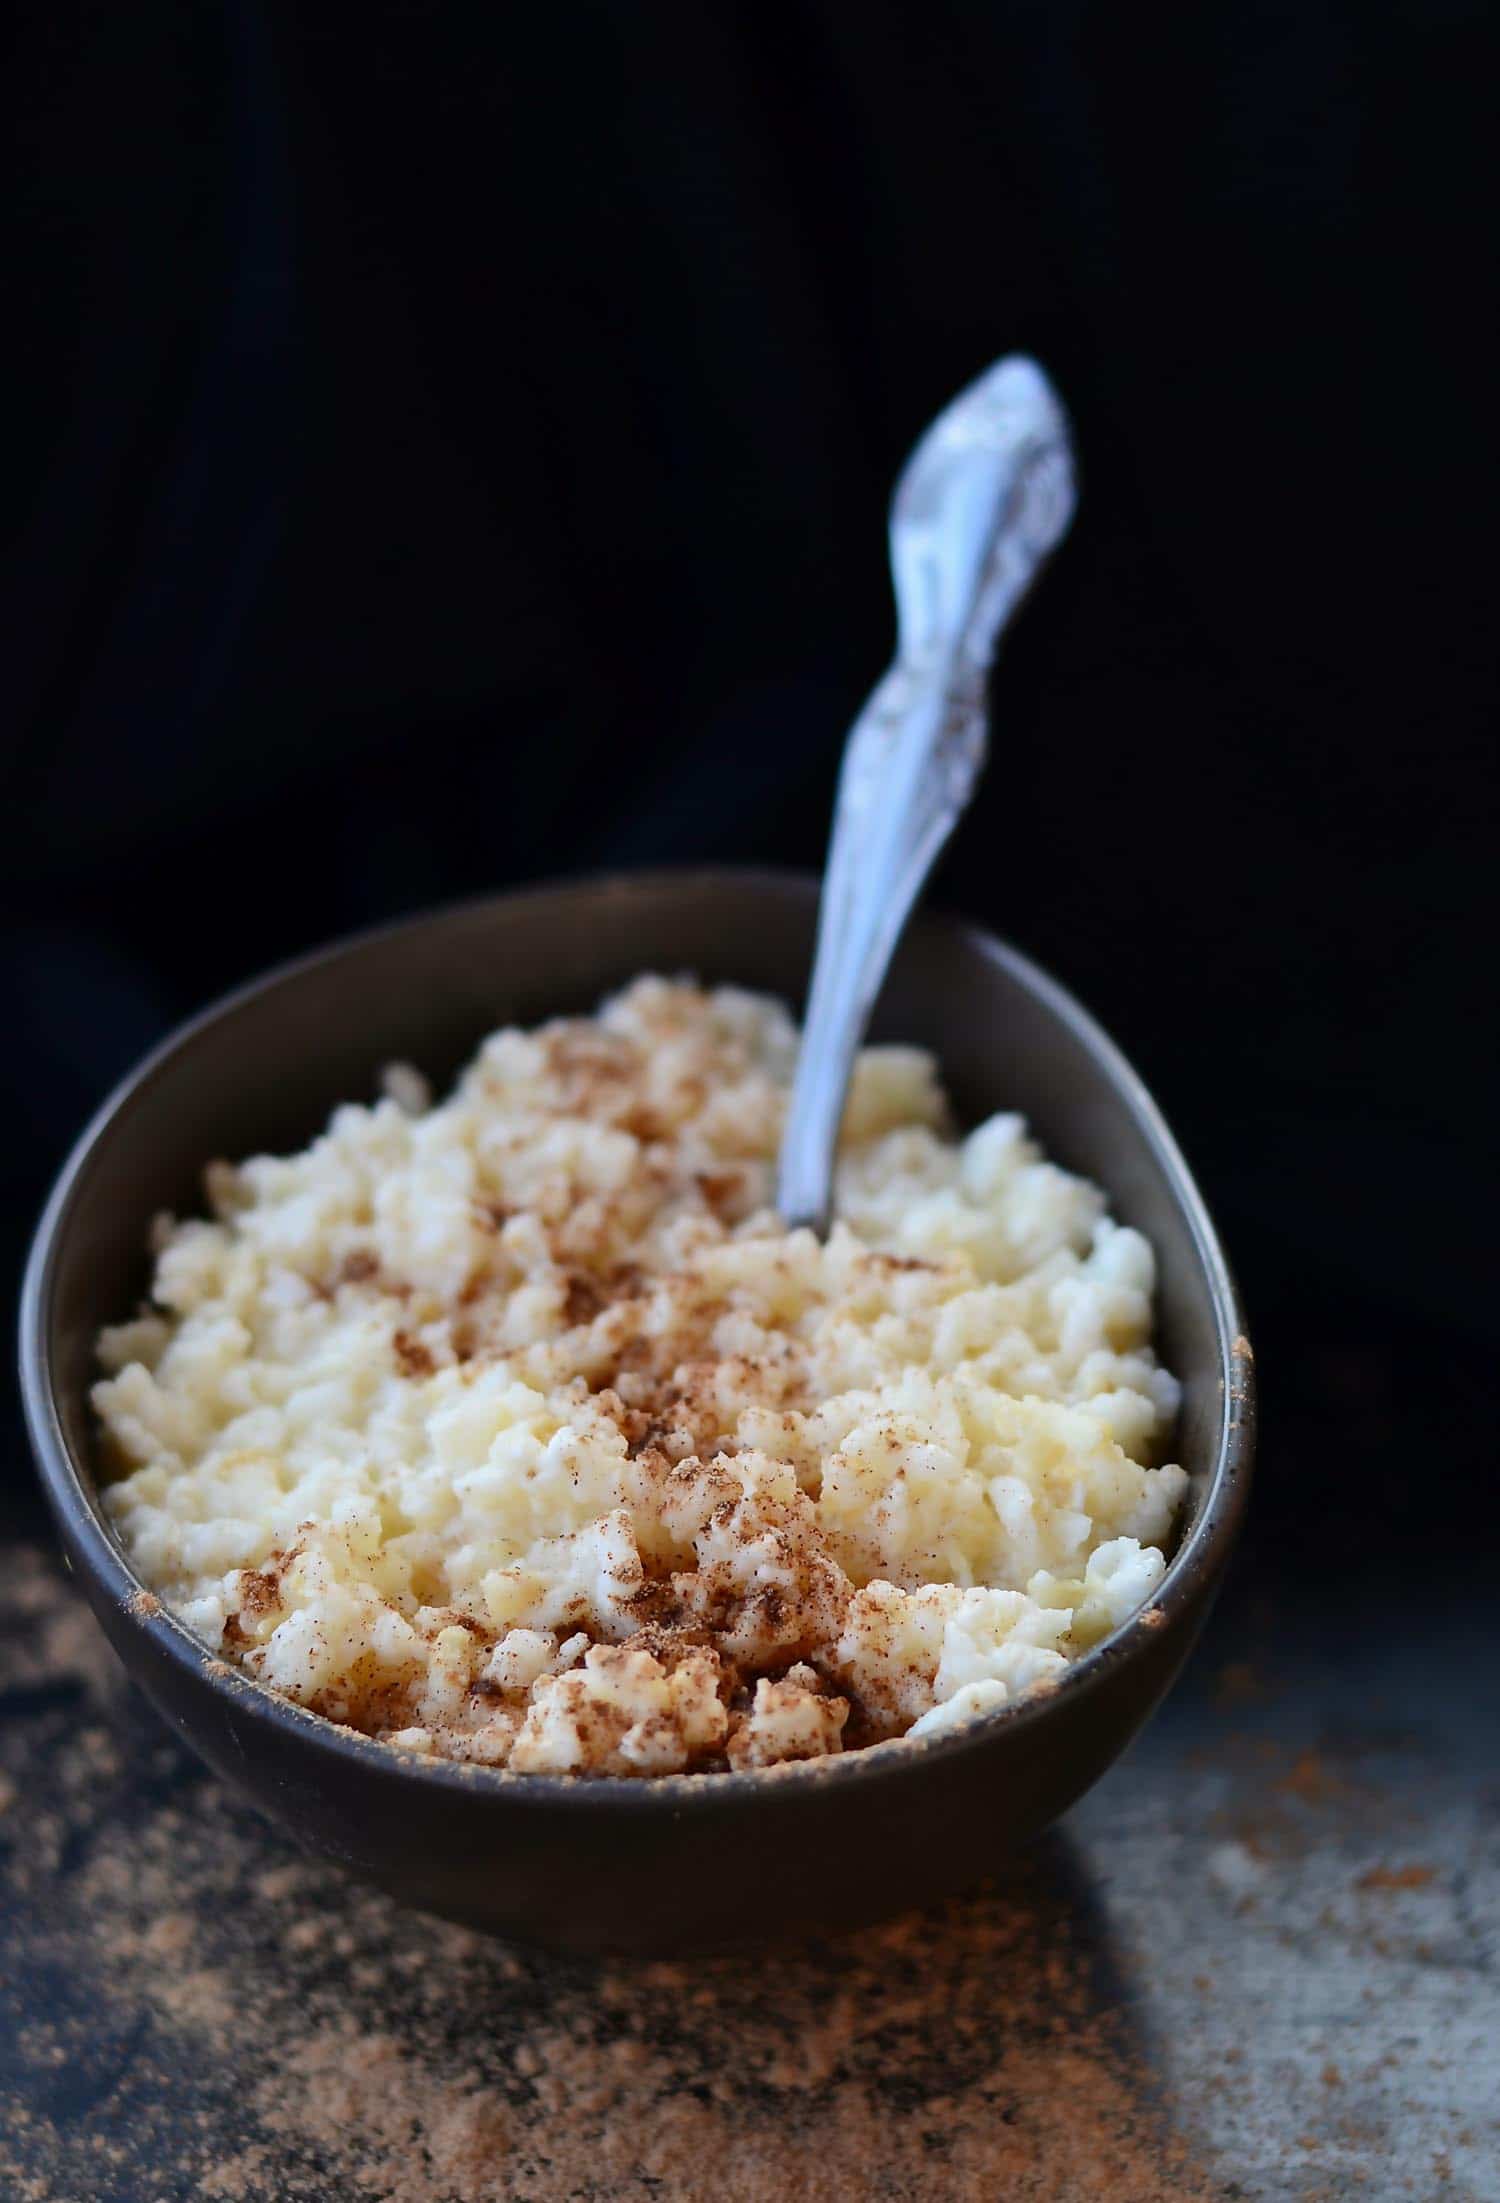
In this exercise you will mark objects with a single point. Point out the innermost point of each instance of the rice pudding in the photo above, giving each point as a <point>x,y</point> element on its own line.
<point>516,1428</point>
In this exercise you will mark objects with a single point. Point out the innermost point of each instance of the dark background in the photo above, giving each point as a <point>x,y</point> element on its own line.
<point>448,446</point>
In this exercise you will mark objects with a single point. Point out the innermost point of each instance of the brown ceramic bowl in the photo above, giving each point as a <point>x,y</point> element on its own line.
<point>688,1861</point>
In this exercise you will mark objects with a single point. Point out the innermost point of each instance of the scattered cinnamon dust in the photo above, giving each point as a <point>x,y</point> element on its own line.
<point>262,2030</point>
<point>1396,1877</point>
<point>1238,1685</point>
<point>52,1636</point>
<point>1311,1779</point>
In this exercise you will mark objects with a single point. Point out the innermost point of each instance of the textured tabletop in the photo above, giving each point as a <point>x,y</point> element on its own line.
<point>1258,1961</point>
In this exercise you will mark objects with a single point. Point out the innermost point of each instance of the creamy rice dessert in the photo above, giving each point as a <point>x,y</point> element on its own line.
<point>518,1429</point>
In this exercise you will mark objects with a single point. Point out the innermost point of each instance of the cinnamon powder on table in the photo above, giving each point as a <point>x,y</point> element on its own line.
<point>233,2023</point>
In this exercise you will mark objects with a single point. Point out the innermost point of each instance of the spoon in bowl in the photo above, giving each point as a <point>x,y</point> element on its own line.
<point>983,500</point>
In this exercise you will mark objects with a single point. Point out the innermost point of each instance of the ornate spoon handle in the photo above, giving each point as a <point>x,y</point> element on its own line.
<point>986,495</point>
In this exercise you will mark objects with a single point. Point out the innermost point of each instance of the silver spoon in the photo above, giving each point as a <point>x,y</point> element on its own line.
<point>986,495</point>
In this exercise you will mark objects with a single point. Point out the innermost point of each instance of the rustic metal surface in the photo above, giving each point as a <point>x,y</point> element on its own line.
<point>1264,1948</point>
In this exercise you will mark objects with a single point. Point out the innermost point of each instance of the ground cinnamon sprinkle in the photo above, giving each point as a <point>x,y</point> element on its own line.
<point>236,2024</point>
<point>1395,1877</point>
<point>1311,1779</point>
<point>1239,1685</point>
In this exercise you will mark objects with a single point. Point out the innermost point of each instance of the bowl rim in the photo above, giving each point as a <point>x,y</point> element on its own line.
<point>91,1541</point>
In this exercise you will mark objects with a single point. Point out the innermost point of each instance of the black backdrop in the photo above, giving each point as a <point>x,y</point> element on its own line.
<point>448,446</point>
